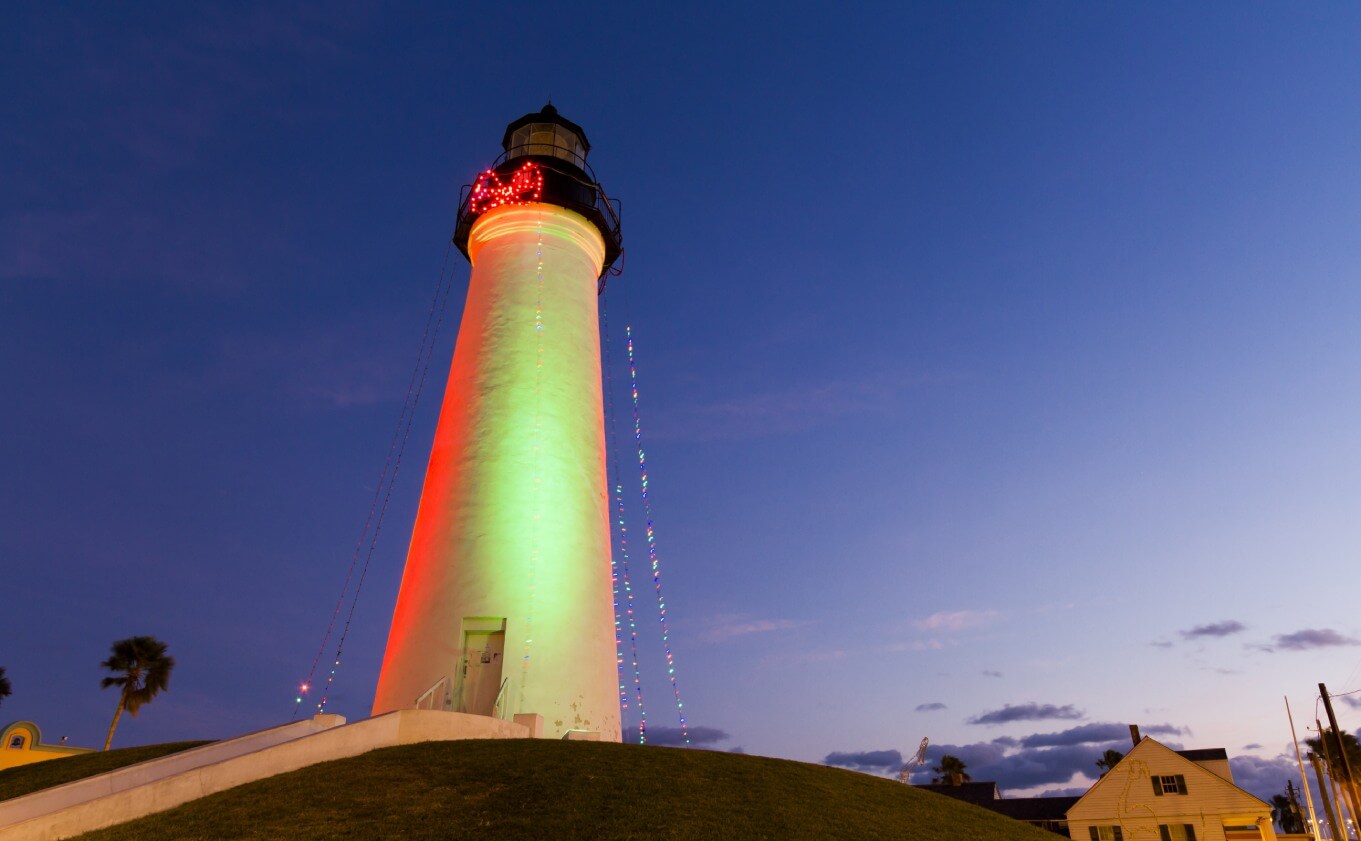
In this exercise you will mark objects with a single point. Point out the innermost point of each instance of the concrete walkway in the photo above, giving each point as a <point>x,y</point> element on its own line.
<point>160,784</point>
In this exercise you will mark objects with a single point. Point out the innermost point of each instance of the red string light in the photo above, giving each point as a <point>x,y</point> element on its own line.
<point>525,186</point>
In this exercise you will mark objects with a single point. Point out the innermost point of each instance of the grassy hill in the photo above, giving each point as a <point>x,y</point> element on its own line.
<point>26,779</point>
<point>538,789</point>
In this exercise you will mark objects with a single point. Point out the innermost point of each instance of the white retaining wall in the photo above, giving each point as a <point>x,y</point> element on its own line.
<point>161,784</point>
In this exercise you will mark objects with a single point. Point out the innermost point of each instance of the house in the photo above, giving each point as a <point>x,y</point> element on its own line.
<point>1159,794</point>
<point>979,794</point>
<point>22,744</point>
<point>1041,812</point>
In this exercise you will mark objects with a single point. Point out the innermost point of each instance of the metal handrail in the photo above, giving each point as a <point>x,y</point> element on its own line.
<point>579,160</point>
<point>429,693</point>
<point>611,208</point>
<point>499,693</point>
<point>608,211</point>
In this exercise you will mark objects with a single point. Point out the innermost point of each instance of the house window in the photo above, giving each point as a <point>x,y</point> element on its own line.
<point>1169,784</point>
<point>1177,832</point>
<point>1106,833</point>
<point>16,742</point>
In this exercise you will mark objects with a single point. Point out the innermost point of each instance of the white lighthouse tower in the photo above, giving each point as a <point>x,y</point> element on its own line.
<point>506,604</point>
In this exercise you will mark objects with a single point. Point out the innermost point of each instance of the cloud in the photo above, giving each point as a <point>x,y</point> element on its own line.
<point>1012,770</point>
<point>1252,746</point>
<point>1095,732</point>
<point>1264,776</point>
<point>727,627</point>
<point>1042,759</point>
<point>957,620</point>
<point>871,760</point>
<point>1026,712</point>
<point>916,645</point>
<point>1308,638</point>
<point>990,673</point>
<point>1214,629</point>
<point>931,707</point>
<point>1063,792</point>
<point>1161,644</point>
<point>672,737</point>
<point>1353,701</point>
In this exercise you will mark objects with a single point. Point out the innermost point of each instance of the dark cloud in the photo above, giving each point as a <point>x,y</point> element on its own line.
<point>1083,734</point>
<point>1164,730</point>
<point>1086,734</point>
<point>1026,712</point>
<point>1063,792</point>
<point>1264,776</point>
<point>671,736</point>
<point>1253,746</point>
<point>991,673</point>
<point>870,760</point>
<point>990,761</point>
<point>931,707</point>
<point>1353,701</point>
<point>1308,638</point>
<point>1215,629</point>
<point>1161,644</point>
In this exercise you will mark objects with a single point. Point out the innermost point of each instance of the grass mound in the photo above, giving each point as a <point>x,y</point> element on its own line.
<point>534,789</point>
<point>26,779</point>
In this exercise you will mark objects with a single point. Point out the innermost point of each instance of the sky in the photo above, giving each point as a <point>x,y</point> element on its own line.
<point>997,360</point>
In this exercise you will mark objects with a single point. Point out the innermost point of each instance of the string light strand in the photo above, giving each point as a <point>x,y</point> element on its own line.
<point>536,480</point>
<point>387,496</point>
<point>652,538</point>
<point>433,321</point>
<point>619,570</point>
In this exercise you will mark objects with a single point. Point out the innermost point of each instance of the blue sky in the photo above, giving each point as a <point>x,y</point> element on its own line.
<point>986,352</point>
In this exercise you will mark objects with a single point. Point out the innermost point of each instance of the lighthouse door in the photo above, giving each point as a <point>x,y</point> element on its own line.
<point>483,653</point>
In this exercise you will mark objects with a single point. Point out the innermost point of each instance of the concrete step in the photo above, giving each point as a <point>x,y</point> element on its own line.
<point>160,784</point>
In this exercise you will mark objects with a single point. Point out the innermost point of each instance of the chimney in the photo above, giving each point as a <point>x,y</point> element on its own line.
<point>1134,734</point>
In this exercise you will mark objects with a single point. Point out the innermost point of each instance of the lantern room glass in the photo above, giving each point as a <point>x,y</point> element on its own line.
<point>548,139</point>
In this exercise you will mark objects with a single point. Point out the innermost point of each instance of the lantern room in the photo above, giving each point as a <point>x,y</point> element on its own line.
<point>546,133</point>
<point>543,160</point>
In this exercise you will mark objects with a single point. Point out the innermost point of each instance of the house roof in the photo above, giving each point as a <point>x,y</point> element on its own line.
<point>1032,808</point>
<point>1204,754</point>
<point>972,792</point>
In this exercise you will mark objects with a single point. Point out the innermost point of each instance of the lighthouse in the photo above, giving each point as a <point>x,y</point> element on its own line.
<point>506,604</point>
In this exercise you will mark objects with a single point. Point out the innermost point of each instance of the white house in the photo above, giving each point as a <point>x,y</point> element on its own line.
<point>1158,794</point>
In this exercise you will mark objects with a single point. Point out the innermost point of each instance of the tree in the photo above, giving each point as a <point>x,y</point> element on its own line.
<point>1350,745</point>
<point>1286,814</point>
<point>5,689</point>
<point>951,770</point>
<point>142,668</point>
<point>1108,760</point>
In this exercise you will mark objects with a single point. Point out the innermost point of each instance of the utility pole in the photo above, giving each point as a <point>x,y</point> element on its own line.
<point>1327,801</point>
<point>1345,761</point>
<point>1330,764</point>
<point>1304,780</point>
<point>1294,798</point>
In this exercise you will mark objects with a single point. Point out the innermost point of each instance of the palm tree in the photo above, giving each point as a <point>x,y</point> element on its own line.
<point>951,770</point>
<point>142,668</point>
<point>5,689</point>
<point>1286,814</point>
<point>1335,766</point>
<point>1108,760</point>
